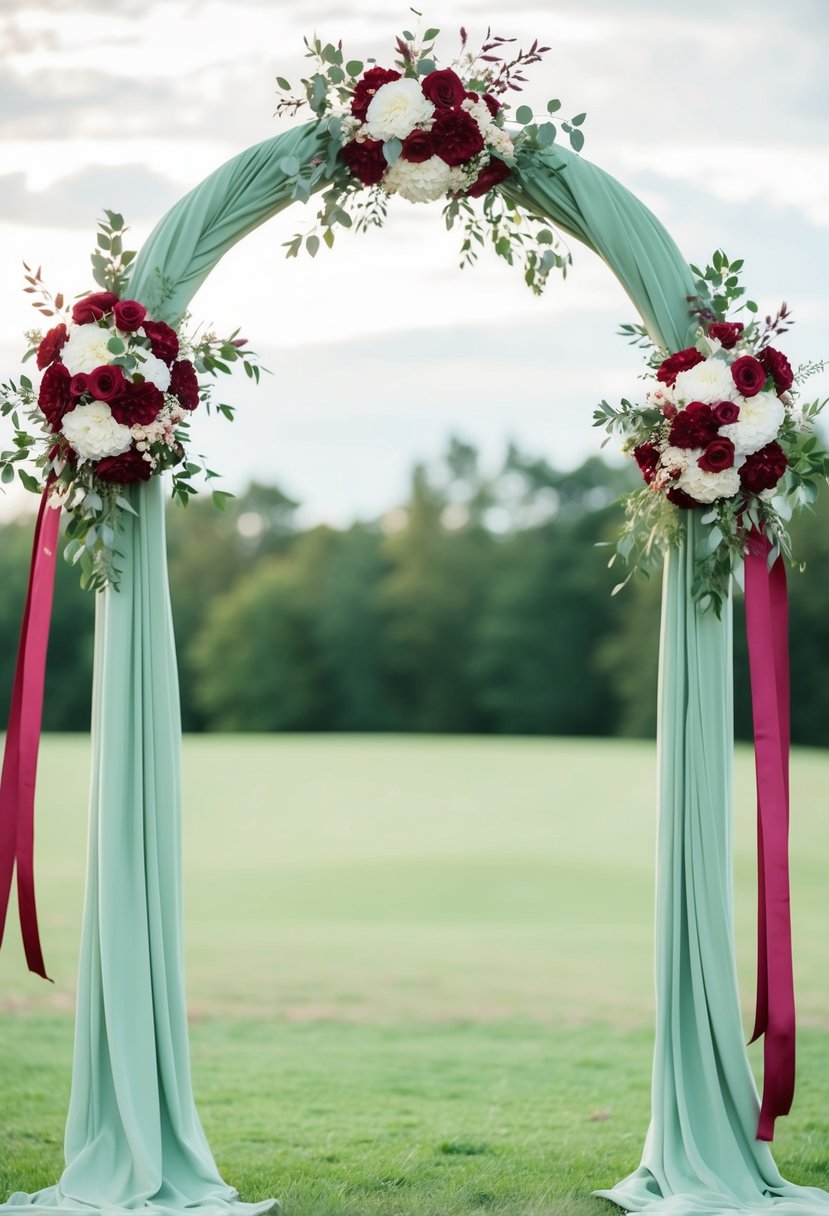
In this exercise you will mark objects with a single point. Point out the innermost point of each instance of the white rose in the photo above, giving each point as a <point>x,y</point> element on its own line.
<point>760,420</point>
<point>93,432</point>
<point>153,370</point>
<point>423,183</point>
<point>86,349</point>
<point>709,381</point>
<point>396,109</point>
<point>708,487</point>
<point>678,459</point>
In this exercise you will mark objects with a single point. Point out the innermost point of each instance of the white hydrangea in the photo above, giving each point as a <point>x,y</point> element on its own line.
<point>423,183</point>
<point>678,459</point>
<point>709,381</point>
<point>708,487</point>
<point>396,109</point>
<point>153,369</point>
<point>760,420</point>
<point>498,139</point>
<point>93,432</point>
<point>86,348</point>
<point>659,394</point>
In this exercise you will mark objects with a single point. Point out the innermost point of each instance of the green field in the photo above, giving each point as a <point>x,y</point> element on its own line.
<point>419,969</point>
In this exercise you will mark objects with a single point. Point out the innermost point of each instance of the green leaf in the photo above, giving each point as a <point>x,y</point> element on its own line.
<point>220,498</point>
<point>576,140</point>
<point>408,35</point>
<point>553,106</point>
<point>116,346</point>
<point>354,67</point>
<point>290,166</point>
<point>336,75</point>
<point>425,67</point>
<point>579,119</point>
<point>7,474</point>
<point>430,34</point>
<point>546,134</point>
<point>523,115</point>
<point>283,84</point>
<point>30,483</point>
<point>312,244</point>
<point>391,150</point>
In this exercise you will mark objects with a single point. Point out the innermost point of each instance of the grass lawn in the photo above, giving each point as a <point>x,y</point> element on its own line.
<point>419,969</point>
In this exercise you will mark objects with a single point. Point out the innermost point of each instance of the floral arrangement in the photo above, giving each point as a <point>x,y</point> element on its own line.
<point>426,132</point>
<point>112,407</point>
<point>720,431</point>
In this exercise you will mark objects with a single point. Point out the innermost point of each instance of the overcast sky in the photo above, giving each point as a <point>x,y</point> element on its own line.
<point>718,119</point>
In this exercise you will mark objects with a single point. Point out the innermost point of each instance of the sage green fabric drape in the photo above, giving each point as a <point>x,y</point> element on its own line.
<point>701,1154</point>
<point>133,1139</point>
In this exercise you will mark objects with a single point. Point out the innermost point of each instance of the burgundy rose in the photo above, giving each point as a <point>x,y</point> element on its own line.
<point>129,315</point>
<point>444,88</point>
<point>365,160</point>
<point>105,383</point>
<point>184,384</point>
<point>647,457</point>
<point>418,146</point>
<point>54,399</point>
<point>680,499</point>
<point>726,412</point>
<point>778,367</point>
<point>726,332</point>
<point>492,104</point>
<point>129,467</point>
<point>490,176</point>
<point>669,410</point>
<point>718,455</point>
<point>693,427</point>
<point>94,307</point>
<point>51,346</point>
<point>457,136</point>
<point>682,361</point>
<point>138,405</point>
<point>163,341</point>
<point>79,384</point>
<point>367,86</point>
<point>749,375</point>
<point>762,470</point>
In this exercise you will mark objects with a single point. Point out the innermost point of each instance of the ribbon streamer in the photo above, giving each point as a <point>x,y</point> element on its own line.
<point>768,653</point>
<point>17,784</point>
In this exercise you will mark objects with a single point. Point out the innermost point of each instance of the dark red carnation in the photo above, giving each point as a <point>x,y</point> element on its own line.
<point>444,88</point>
<point>54,398</point>
<point>163,341</point>
<point>129,315</point>
<point>718,455</point>
<point>365,160</point>
<point>726,412</point>
<point>647,457</point>
<point>51,346</point>
<point>138,404</point>
<point>492,104</point>
<point>78,384</point>
<point>93,307</point>
<point>367,86</point>
<point>457,136</point>
<point>778,367</point>
<point>682,361</point>
<point>762,470</point>
<point>418,146</point>
<point>749,375</point>
<point>693,427</point>
<point>105,383</point>
<point>125,469</point>
<point>490,176</point>
<point>184,384</point>
<point>726,332</point>
<point>680,499</point>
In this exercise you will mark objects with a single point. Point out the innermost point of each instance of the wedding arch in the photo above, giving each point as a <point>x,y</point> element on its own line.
<point>133,1139</point>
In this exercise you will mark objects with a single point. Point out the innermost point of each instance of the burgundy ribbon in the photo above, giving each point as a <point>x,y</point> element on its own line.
<point>17,784</point>
<point>768,654</point>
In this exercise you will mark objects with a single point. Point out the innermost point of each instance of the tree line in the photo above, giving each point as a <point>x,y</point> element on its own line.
<point>482,603</point>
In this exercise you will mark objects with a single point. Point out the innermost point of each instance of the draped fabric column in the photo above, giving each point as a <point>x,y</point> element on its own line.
<point>701,1154</point>
<point>133,1139</point>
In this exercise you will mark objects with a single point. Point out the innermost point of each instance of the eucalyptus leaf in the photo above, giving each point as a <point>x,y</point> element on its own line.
<point>523,115</point>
